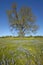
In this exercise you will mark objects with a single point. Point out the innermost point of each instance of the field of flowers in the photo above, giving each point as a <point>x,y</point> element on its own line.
<point>25,51</point>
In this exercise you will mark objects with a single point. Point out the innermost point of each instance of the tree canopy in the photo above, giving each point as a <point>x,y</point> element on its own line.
<point>22,20</point>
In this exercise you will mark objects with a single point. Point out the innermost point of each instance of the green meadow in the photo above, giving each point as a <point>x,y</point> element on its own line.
<point>21,51</point>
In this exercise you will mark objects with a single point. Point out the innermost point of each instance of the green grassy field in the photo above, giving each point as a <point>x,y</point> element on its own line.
<point>21,51</point>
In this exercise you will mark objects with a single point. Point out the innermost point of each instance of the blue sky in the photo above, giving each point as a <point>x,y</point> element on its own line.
<point>37,8</point>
